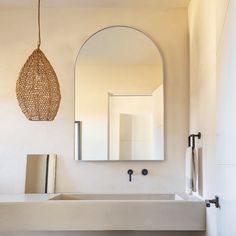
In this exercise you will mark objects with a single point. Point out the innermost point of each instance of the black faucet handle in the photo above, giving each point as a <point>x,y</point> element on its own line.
<point>130,172</point>
<point>144,172</point>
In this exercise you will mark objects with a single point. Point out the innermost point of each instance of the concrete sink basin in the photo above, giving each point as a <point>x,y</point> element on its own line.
<point>163,212</point>
<point>117,197</point>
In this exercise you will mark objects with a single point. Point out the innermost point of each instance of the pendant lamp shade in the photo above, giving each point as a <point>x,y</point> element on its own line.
<point>37,88</point>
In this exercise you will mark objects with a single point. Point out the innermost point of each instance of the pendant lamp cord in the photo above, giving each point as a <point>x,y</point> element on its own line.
<point>39,33</point>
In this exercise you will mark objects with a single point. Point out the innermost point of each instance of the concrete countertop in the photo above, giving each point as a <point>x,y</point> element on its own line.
<point>25,197</point>
<point>45,197</point>
<point>35,212</point>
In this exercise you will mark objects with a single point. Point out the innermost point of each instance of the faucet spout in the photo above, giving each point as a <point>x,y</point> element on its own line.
<point>130,172</point>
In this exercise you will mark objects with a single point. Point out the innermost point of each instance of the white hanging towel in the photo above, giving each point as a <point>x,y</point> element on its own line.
<point>191,169</point>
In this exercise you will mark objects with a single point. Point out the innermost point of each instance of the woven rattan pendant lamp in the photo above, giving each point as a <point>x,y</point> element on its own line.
<point>37,88</point>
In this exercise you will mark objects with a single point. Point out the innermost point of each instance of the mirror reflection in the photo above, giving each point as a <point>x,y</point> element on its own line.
<point>40,173</point>
<point>119,97</point>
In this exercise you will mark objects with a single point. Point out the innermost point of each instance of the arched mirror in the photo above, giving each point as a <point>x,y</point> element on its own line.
<point>119,97</point>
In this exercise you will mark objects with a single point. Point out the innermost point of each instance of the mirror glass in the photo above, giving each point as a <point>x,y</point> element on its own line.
<point>119,97</point>
<point>40,173</point>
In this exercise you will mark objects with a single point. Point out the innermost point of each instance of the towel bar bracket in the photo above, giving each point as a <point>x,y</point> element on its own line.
<point>214,201</point>
<point>191,139</point>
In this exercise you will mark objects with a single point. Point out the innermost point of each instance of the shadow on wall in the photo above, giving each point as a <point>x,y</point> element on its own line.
<point>200,174</point>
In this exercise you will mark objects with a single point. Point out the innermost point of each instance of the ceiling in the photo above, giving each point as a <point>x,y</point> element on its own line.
<point>99,3</point>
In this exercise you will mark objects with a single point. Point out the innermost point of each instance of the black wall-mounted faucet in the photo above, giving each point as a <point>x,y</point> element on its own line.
<point>130,172</point>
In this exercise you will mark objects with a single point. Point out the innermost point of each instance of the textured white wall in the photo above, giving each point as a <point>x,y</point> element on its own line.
<point>212,96</point>
<point>63,32</point>
<point>226,114</point>
<point>202,28</point>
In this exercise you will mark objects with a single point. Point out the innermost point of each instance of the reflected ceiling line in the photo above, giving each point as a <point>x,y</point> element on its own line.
<point>124,26</point>
<point>130,94</point>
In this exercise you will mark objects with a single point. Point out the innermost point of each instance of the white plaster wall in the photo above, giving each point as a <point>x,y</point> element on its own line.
<point>226,114</point>
<point>212,96</point>
<point>202,28</point>
<point>63,32</point>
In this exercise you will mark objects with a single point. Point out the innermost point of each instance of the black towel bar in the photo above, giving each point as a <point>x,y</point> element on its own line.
<point>193,136</point>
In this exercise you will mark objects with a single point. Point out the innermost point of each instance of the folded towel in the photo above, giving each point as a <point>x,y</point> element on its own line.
<point>191,170</point>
